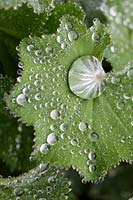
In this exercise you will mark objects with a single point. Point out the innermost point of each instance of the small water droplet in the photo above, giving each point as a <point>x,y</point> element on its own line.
<point>54,114</point>
<point>63,127</point>
<point>115,79</point>
<point>49,49</point>
<point>30,47</point>
<point>37,96</point>
<point>83,126</point>
<point>95,36</point>
<point>126,96</point>
<point>63,45</point>
<point>92,168</point>
<point>74,141</point>
<point>94,137</point>
<point>68,26</point>
<point>72,35</point>
<point>120,105</point>
<point>92,156</point>
<point>44,148</point>
<point>21,99</point>
<point>52,139</point>
<point>123,139</point>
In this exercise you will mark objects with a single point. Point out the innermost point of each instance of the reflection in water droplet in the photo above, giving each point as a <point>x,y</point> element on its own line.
<point>87,78</point>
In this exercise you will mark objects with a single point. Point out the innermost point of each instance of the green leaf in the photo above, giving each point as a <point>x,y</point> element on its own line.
<point>15,138</point>
<point>92,10</point>
<point>14,26</point>
<point>45,79</point>
<point>58,11</point>
<point>23,22</point>
<point>39,6</point>
<point>40,183</point>
<point>16,144</point>
<point>119,14</point>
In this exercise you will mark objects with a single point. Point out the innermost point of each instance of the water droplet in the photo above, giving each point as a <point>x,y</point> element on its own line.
<point>52,139</point>
<point>51,179</point>
<point>18,191</point>
<point>95,36</point>
<point>25,90</point>
<point>123,139</point>
<point>38,52</point>
<point>87,78</point>
<point>92,168</point>
<point>54,114</point>
<point>21,99</point>
<point>37,96</point>
<point>132,123</point>
<point>52,127</point>
<point>68,26</point>
<point>63,127</point>
<point>20,65</point>
<point>83,126</point>
<point>44,148</point>
<point>49,49</point>
<point>92,156</point>
<point>74,141</point>
<point>115,79</point>
<point>126,96</point>
<point>72,35</point>
<point>130,73</point>
<point>94,137</point>
<point>63,45</point>
<point>59,39</point>
<point>120,105</point>
<point>30,47</point>
<point>96,21</point>
<point>63,135</point>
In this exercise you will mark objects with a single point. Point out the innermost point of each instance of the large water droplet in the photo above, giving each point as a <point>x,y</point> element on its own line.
<point>87,78</point>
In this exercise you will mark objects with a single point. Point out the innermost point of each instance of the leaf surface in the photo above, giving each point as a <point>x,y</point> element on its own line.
<point>119,14</point>
<point>40,183</point>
